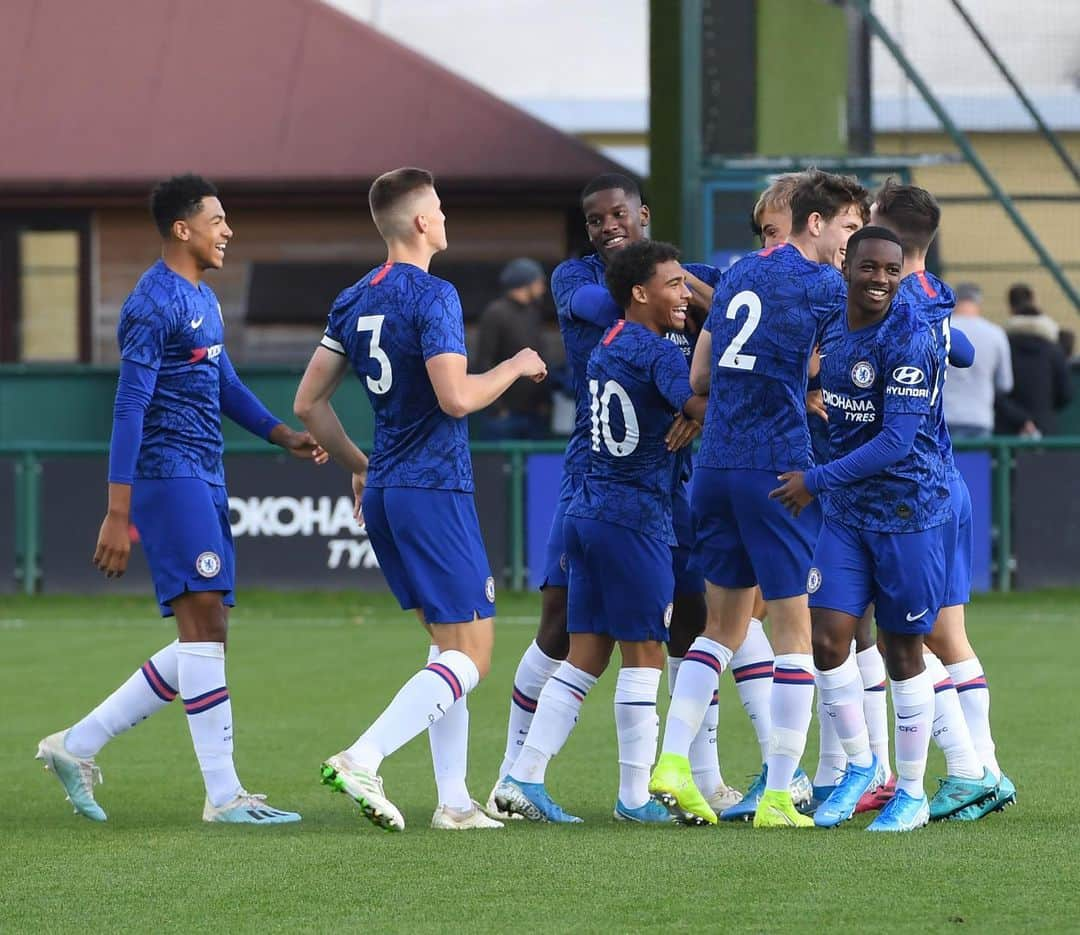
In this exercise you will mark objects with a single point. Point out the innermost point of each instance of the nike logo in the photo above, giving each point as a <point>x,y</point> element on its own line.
<point>908,717</point>
<point>524,733</point>
<point>196,322</point>
<point>911,618</point>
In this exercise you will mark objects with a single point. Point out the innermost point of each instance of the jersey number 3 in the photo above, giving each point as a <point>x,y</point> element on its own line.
<point>601,419</point>
<point>731,356</point>
<point>373,323</point>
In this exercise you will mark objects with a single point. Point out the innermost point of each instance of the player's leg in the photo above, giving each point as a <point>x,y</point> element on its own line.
<point>547,650</point>
<point>522,790</point>
<point>840,588</point>
<point>70,753</point>
<point>752,669</point>
<point>688,623</point>
<point>780,547</point>
<point>429,546</point>
<point>909,586</point>
<point>875,709</point>
<point>638,729</point>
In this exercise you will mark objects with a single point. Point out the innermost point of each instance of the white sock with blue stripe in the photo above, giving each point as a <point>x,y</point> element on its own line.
<point>638,729</point>
<point>146,692</point>
<point>449,740</point>
<point>535,668</point>
<point>201,676</point>
<point>950,728</point>
<point>556,714</point>
<point>419,703</point>
<point>697,681</point>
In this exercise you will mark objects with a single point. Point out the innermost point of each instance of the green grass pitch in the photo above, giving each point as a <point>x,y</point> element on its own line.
<point>308,672</point>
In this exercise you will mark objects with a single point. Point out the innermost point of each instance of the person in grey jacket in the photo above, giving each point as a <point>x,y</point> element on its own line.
<point>970,393</point>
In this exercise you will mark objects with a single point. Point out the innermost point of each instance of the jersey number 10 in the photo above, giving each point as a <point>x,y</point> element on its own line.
<point>373,323</point>
<point>601,419</point>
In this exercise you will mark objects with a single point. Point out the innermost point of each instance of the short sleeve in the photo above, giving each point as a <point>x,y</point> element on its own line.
<point>441,323</point>
<point>909,372</point>
<point>710,275</point>
<point>672,375</point>
<point>143,331</point>
<point>333,338</point>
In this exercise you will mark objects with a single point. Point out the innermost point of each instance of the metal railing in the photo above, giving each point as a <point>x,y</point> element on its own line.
<point>29,454</point>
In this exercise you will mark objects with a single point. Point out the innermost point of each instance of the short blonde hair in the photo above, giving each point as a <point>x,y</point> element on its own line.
<point>777,196</point>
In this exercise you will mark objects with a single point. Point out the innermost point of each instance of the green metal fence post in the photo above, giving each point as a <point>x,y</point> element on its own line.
<point>1003,462</point>
<point>31,496</point>
<point>517,519</point>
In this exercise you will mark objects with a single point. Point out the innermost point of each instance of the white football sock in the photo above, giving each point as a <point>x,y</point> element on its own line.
<point>832,761</point>
<point>419,703</point>
<point>791,706</point>
<point>201,677</point>
<point>842,697</point>
<point>752,668</point>
<point>556,714</point>
<point>974,694</point>
<point>704,754</point>
<point>913,704</point>
<point>535,668</point>
<point>699,678</point>
<point>638,729</point>
<point>875,705</point>
<point>449,740</point>
<point>950,730</point>
<point>146,692</point>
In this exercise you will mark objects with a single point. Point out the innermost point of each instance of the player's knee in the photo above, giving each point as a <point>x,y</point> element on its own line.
<point>687,623</point>
<point>830,649</point>
<point>201,616</point>
<point>551,635</point>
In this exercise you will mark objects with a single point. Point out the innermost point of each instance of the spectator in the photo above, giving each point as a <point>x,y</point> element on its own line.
<point>970,393</point>
<point>1020,294</point>
<point>511,322</point>
<point>1042,384</point>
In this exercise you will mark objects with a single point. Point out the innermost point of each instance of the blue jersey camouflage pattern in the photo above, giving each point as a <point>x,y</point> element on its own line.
<point>889,367</point>
<point>176,329</point>
<point>637,382</point>
<point>763,322</point>
<point>934,301</point>
<point>389,324</point>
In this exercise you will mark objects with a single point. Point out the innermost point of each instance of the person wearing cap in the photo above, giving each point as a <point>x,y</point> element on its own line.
<point>512,321</point>
<point>970,393</point>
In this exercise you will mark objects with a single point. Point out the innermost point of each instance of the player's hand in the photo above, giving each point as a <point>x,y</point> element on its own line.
<point>815,404</point>
<point>682,432</point>
<point>359,482</point>
<point>792,494</point>
<point>530,364</point>
<point>303,445</point>
<point>113,546</point>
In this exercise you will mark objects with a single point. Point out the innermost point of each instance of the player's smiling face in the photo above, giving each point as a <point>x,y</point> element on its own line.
<point>205,233</point>
<point>614,219</point>
<point>660,302</point>
<point>873,275</point>
<point>835,232</point>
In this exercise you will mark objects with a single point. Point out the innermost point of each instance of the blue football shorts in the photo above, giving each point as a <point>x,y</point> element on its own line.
<point>430,550</point>
<point>901,574</point>
<point>743,538</point>
<point>555,562</point>
<point>621,582</point>
<point>183,525</point>
<point>959,544</point>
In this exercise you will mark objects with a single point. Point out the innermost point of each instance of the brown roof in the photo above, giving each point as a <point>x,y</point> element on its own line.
<point>258,91</point>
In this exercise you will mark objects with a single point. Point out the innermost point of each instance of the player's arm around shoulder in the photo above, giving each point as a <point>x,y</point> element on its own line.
<point>672,379</point>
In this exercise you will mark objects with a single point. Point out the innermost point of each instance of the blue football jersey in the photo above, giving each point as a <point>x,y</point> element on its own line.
<point>637,382</point>
<point>388,325</point>
<point>891,366</point>
<point>176,329</point>
<point>765,317</point>
<point>580,336</point>
<point>934,301</point>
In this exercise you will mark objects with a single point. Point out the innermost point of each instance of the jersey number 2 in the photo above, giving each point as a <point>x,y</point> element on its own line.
<point>601,419</point>
<point>731,356</point>
<point>373,323</point>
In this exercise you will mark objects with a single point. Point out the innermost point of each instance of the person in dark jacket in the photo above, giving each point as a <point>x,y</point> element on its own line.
<point>1041,384</point>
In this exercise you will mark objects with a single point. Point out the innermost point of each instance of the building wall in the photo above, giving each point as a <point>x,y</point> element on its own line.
<point>978,242</point>
<point>125,244</point>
